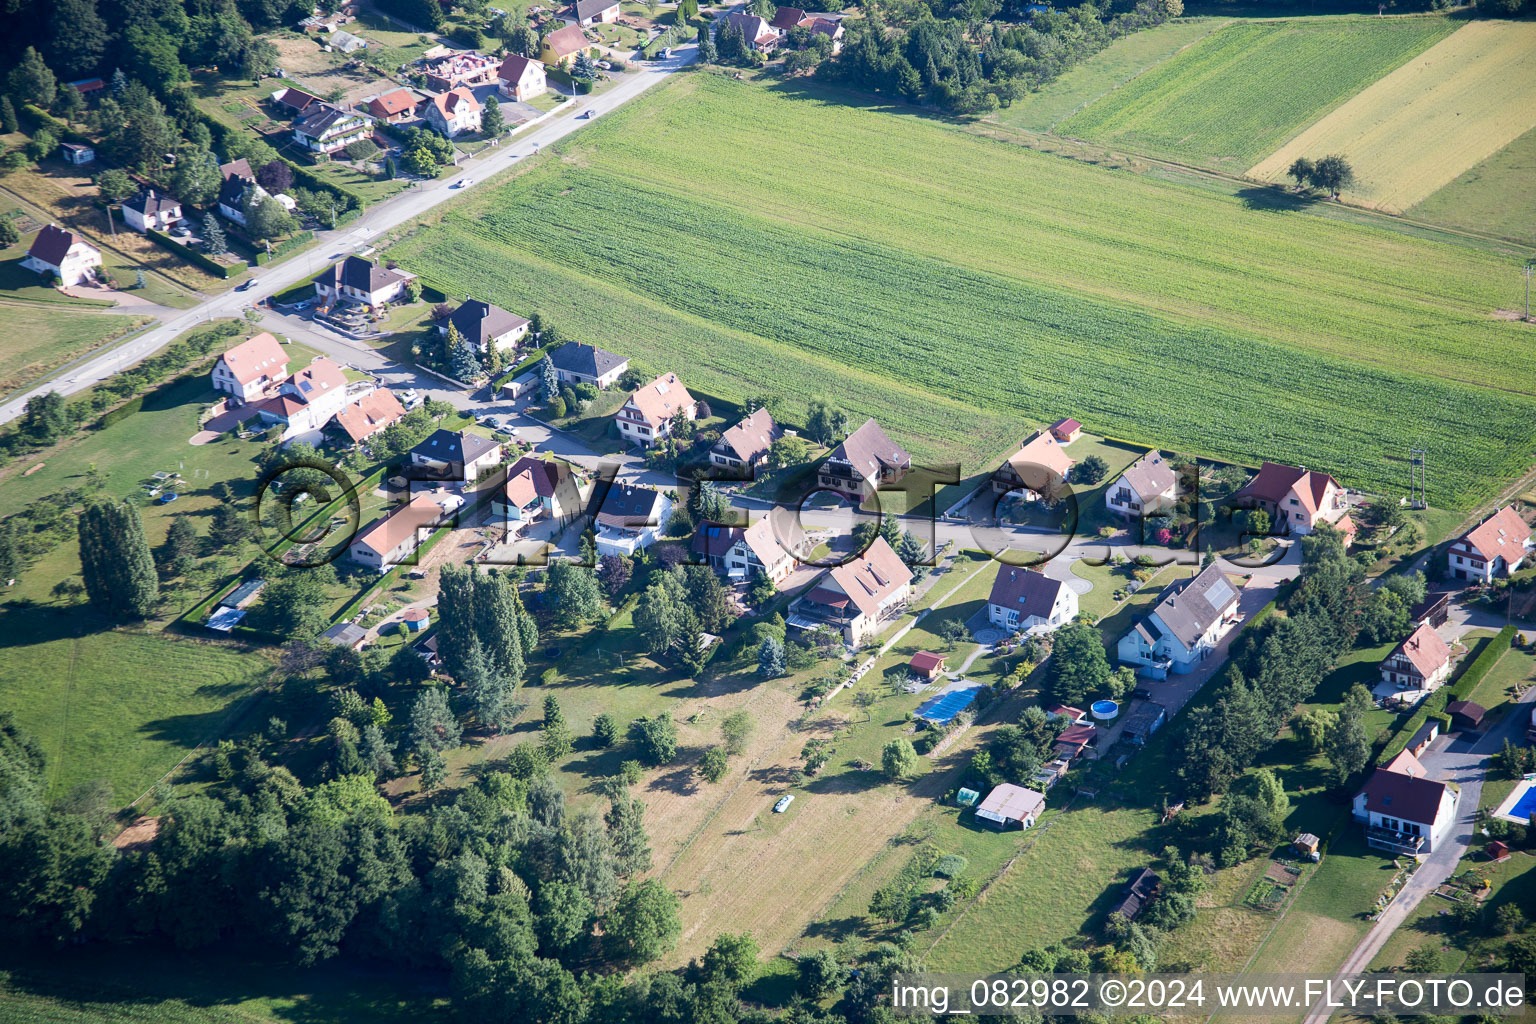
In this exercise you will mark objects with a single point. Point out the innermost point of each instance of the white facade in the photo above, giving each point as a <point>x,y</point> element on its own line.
<point>77,267</point>
<point>612,540</point>
<point>1063,610</point>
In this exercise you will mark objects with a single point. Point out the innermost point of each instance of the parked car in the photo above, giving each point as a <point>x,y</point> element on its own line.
<point>245,286</point>
<point>605,65</point>
<point>181,231</point>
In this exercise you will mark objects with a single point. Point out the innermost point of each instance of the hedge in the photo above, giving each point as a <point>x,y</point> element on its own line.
<point>192,256</point>
<point>121,413</point>
<point>1473,674</point>
<point>1434,704</point>
<point>63,132</point>
<point>284,247</point>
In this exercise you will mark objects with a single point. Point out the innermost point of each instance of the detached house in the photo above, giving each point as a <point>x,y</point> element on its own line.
<point>393,107</point>
<point>63,254</point>
<point>151,211</point>
<point>1421,662</point>
<point>586,364</point>
<point>647,417</point>
<point>306,400</point>
<point>1025,599</point>
<point>537,490</point>
<point>831,28</point>
<point>865,460</point>
<point>250,368</point>
<point>394,539</point>
<point>760,35</point>
<point>772,546</point>
<point>1038,468</point>
<point>457,454</point>
<point>746,444</point>
<point>595,12</point>
<point>362,281</point>
<point>786,18</point>
<point>1183,627</point>
<point>323,128</point>
<point>1497,546</point>
<point>1148,485</point>
<point>485,326</point>
<point>629,518</point>
<point>454,112</point>
<point>561,45</point>
<point>521,78</point>
<point>369,414</point>
<point>1297,499</point>
<point>858,598</point>
<point>1403,810</point>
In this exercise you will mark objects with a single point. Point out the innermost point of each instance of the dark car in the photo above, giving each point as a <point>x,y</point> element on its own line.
<point>1144,692</point>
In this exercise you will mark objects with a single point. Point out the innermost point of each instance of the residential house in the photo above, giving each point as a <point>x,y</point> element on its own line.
<point>647,417</point>
<point>786,18</point>
<point>485,326</point>
<point>1497,546</point>
<point>394,539</point>
<point>369,414</point>
<point>1183,627</point>
<point>1066,431</point>
<point>1026,599</point>
<point>240,168</point>
<point>1403,810</point>
<point>90,88</point>
<point>1142,720</point>
<point>362,281</point>
<point>832,29</point>
<point>866,460</point>
<point>630,518</point>
<point>151,211</point>
<point>1138,895</point>
<point>538,490</point>
<point>746,444</point>
<point>1148,485</point>
<point>394,106</point>
<point>294,102</point>
<point>461,69</point>
<point>324,128</point>
<point>925,664</point>
<point>250,368</point>
<point>1421,662</point>
<point>594,12</point>
<point>586,364</point>
<point>1038,468</point>
<point>77,154</point>
<point>773,546</point>
<point>1297,499</point>
<point>1010,806</point>
<point>456,454</point>
<point>454,112</point>
<point>238,183</point>
<point>307,399</point>
<point>561,45</point>
<point>857,598</point>
<point>64,255</point>
<point>521,78</point>
<point>760,35</point>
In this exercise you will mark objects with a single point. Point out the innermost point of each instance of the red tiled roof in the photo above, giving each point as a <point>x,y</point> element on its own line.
<point>1040,462</point>
<point>750,438</point>
<point>257,356</point>
<point>1503,533</point>
<point>1274,481</point>
<point>1425,651</point>
<point>566,41</point>
<point>787,18</point>
<point>447,103</point>
<point>316,379</point>
<point>392,103</point>
<point>387,534</point>
<point>370,414</point>
<point>1066,426</point>
<point>661,399</point>
<point>925,661</point>
<point>873,576</point>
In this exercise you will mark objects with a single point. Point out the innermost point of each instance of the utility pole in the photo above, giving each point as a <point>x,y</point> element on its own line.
<point>1528,265</point>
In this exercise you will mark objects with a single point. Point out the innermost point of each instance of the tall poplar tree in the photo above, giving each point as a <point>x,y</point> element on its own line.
<point>115,560</point>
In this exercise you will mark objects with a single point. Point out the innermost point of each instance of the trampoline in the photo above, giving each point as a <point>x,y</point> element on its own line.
<point>948,702</point>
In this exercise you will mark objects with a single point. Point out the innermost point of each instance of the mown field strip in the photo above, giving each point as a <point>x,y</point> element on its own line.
<point>1240,92</point>
<point>1417,129</point>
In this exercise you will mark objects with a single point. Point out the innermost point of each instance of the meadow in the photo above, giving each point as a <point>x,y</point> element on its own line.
<point>923,286</point>
<point>1242,91</point>
<point>1498,196</point>
<point>1418,128</point>
<point>38,338</point>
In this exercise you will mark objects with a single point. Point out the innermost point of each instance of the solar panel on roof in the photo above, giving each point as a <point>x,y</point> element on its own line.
<point>1220,593</point>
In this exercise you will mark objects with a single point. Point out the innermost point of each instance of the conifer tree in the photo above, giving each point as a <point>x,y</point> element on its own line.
<point>115,560</point>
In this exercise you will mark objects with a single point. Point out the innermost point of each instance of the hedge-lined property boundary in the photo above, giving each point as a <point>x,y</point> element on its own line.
<point>1434,705</point>
<point>212,266</point>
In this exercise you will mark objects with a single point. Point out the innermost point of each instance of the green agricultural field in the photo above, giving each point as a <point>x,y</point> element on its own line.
<point>39,338</point>
<point>1240,92</point>
<point>1105,71</point>
<point>926,287</point>
<point>1497,196</point>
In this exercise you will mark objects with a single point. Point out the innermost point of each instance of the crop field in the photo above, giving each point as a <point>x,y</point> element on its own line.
<point>1107,70</point>
<point>1415,130</point>
<point>39,338</point>
<point>924,286</point>
<point>1497,196</point>
<point>1242,91</point>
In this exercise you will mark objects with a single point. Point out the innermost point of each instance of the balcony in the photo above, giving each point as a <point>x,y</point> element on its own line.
<point>1393,841</point>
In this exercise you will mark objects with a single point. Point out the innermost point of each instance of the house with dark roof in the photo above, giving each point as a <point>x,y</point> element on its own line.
<point>151,211</point>
<point>323,128</point>
<point>832,28</point>
<point>1421,662</point>
<point>746,444</point>
<point>248,369</point>
<point>521,78</point>
<point>362,281</point>
<point>1027,600</point>
<point>866,460</point>
<point>1183,627</point>
<point>294,101</point>
<point>1466,715</point>
<point>1403,810</point>
<point>63,254</point>
<point>858,598</point>
<point>1297,499</point>
<point>1497,546</point>
<point>1143,719</point>
<point>1038,468</point>
<point>758,33</point>
<point>456,455</point>
<point>773,546</point>
<point>1421,740</point>
<point>587,364</point>
<point>538,490</point>
<point>629,518</point>
<point>1148,485</point>
<point>485,326</point>
<point>647,417</point>
<point>594,12</point>
<point>1143,889</point>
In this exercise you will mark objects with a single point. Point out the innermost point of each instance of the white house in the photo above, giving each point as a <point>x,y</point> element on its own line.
<point>857,598</point>
<point>250,368</point>
<point>454,112</point>
<point>308,399</point>
<point>362,281</point>
<point>1148,485</point>
<point>1403,810</point>
<point>151,211</point>
<point>630,518</point>
<point>394,539</point>
<point>1297,499</point>
<point>1421,662</point>
<point>322,128</point>
<point>647,417</point>
<point>1183,627</point>
<point>866,460</point>
<point>63,254</point>
<point>521,78</point>
<point>1026,599</point>
<point>772,546</point>
<point>1497,546</point>
<point>459,455</point>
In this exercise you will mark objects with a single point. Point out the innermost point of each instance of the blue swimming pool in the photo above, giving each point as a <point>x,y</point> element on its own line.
<point>1525,806</point>
<point>941,709</point>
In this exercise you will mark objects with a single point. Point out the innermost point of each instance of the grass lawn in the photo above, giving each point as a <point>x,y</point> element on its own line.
<point>1516,669</point>
<point>1095,294</point>
<point>39,338</point>
<point>1497,196</point>
<point>1513,881</point>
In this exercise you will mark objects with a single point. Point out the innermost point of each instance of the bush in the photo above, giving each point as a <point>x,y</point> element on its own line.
<point>1482,664</point>
<point>194,257</point>
<point>362,149</point>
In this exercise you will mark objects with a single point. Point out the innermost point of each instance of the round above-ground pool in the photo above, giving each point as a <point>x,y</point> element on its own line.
<point>1104,710</point>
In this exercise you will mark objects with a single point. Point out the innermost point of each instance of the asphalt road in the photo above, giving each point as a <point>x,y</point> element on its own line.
<point>375,221</point>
